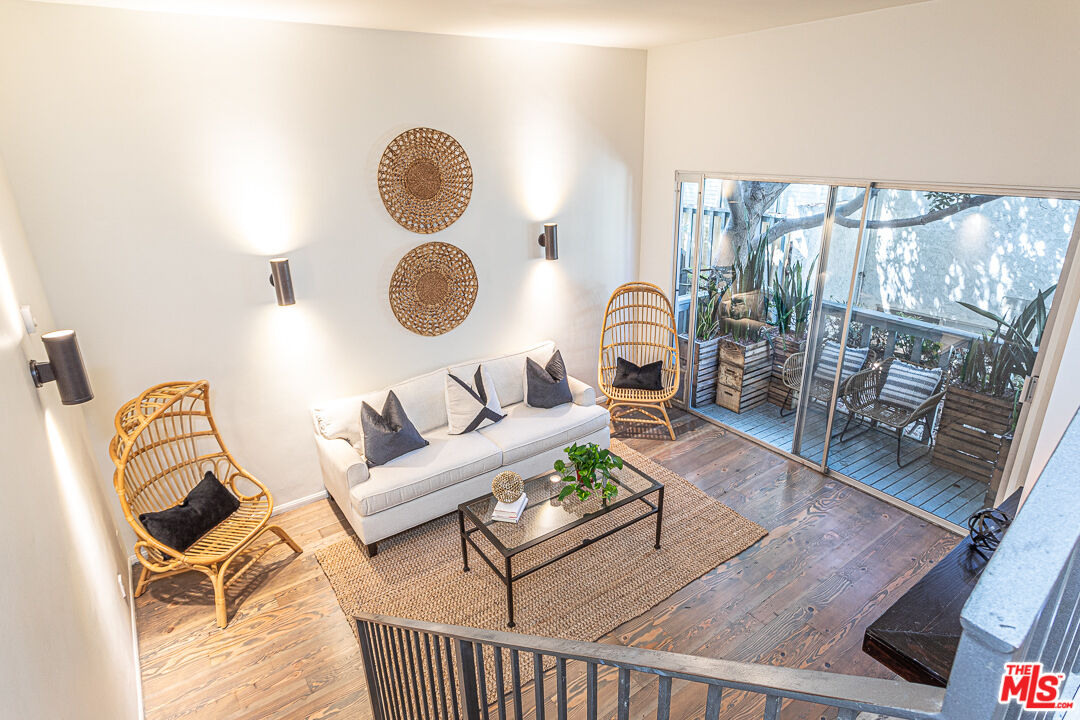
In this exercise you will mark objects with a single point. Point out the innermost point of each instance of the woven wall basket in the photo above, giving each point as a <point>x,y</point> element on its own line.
<point>425,180</point>
<point>433,288</point>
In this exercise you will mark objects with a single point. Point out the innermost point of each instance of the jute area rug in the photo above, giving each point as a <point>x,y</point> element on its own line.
<point>418,574</point>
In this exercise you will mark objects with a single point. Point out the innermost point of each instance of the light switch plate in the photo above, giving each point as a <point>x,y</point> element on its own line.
<point>28,319</point>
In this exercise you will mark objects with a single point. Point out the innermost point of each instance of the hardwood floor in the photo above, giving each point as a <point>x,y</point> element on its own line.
<point>834,559</point>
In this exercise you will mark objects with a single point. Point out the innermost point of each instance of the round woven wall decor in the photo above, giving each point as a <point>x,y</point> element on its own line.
<point>425,180</point>
<point>433,288</point>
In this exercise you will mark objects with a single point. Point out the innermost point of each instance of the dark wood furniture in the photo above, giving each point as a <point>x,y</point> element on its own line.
<point>545,517</point>
<point>917,637</point>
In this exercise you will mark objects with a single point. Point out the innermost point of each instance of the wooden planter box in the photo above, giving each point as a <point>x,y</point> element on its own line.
<point>703,371</point>
<point>783,347</point>
<point>973,436</point>
<point>742,380</point>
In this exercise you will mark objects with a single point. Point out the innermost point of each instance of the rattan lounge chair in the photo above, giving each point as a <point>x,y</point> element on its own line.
<point>639,326</point>
<point>166,439</point>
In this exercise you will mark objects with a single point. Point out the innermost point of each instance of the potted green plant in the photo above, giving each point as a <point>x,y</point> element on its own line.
<point>792,297</point>
<point>587,470</point>
<point>711,288</point>
<point>982,403</point>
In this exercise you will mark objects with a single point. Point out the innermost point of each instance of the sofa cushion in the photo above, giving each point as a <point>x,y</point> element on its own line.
<point>506,372</point>
<point>528,431</point>
<point>446,460</point>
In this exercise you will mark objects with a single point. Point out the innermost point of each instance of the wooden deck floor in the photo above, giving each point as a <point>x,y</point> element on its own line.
<point>834,560</point>
<point>869,458</point>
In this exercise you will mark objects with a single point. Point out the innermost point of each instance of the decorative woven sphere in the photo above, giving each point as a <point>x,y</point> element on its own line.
<point>507,486</point>
<point>986,528</point>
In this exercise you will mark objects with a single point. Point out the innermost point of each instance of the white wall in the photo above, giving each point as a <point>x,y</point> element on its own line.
<point>160,159</point>
<point>950,91</point>
<point>66,646</point>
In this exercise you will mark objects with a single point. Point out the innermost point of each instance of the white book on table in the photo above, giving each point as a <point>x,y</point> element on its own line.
<point>510,512</point>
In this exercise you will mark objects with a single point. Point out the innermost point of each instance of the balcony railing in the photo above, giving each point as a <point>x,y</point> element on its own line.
<point>419,670</point>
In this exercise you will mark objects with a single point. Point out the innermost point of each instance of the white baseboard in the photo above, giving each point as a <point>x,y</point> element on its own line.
<point>299,502</point>
<point>140,707</point>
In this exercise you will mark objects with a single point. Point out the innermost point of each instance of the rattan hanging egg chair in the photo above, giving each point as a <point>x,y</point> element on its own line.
<point>166,440</point>
<point>639,326</point>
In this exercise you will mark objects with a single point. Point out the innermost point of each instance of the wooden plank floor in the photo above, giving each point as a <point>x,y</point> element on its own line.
<point>869,457</point>
<point>834,559</point>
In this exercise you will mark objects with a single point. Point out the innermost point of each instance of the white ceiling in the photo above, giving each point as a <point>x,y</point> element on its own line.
<point>616,23</point>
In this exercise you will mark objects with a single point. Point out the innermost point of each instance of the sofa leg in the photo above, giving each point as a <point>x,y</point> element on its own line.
<point>370,549</point>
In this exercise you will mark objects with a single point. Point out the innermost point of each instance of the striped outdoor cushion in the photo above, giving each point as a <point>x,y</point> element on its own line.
<point>909,385</point>
<point>830,352</point>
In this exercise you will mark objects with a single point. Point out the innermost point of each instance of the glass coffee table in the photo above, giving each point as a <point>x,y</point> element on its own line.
<point>545,518</point>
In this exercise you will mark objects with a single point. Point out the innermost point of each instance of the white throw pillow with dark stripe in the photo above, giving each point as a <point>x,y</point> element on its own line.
<point>470,406</point>
<point>909,385</point>
<point>854,359</point>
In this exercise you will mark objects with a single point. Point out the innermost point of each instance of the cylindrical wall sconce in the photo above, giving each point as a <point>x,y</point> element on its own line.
<point>549,240</point>
<point>65,366</point>
<point>281,279</point>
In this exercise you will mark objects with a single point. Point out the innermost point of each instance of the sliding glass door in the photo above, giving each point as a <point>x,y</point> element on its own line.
<point>887,334</point>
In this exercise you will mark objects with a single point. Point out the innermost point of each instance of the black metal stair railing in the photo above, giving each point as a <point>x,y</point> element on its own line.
<point>426,671</point>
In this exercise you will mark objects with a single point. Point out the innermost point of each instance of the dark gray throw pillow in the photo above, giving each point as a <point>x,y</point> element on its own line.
<point>638,377</point>
<point>205,506</point>
<point>547,387</point>
<point>389,434</point>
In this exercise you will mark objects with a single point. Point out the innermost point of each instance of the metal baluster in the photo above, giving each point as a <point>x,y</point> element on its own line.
<point>436,678</point>
<point>712,702</point>
<point>481,678</point>
<point>500,682</point>
<point>590,692</point>
<point>400,710</point>
<point>772,707</point>
<point>409,670</point>
<point>1063,632</point>
<point>422,694</point>
<point>441,672</point>
<point>624,694</point>
<point>467,684</point>
<point>560,687</point>
<point>515,680</point>
<point>538,684</point>
<point>453,681</point>
<point>663,699</point>
<point>363,630</point>
<point>384,673</point>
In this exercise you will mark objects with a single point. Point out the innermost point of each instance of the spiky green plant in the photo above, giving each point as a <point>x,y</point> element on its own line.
<point>791,297</point>
<point>708,307</point>
<point>998,362</point>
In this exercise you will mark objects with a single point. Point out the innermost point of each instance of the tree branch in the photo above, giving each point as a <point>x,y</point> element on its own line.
<point>844,219</point>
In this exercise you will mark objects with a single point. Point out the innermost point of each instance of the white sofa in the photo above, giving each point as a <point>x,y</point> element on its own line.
<point>431,482</point>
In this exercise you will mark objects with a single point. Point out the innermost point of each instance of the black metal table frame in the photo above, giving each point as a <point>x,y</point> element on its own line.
<point>508,576</point>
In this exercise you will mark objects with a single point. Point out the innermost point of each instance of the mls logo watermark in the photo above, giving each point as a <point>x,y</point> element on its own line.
<point>1026,684</point>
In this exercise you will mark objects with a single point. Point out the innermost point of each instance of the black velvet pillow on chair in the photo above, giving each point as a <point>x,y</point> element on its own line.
<point>638,377</point>
<point>205,506</point>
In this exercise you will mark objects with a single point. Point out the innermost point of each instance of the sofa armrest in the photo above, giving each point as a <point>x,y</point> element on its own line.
<point>583,393</point>
<point>342,465</point>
